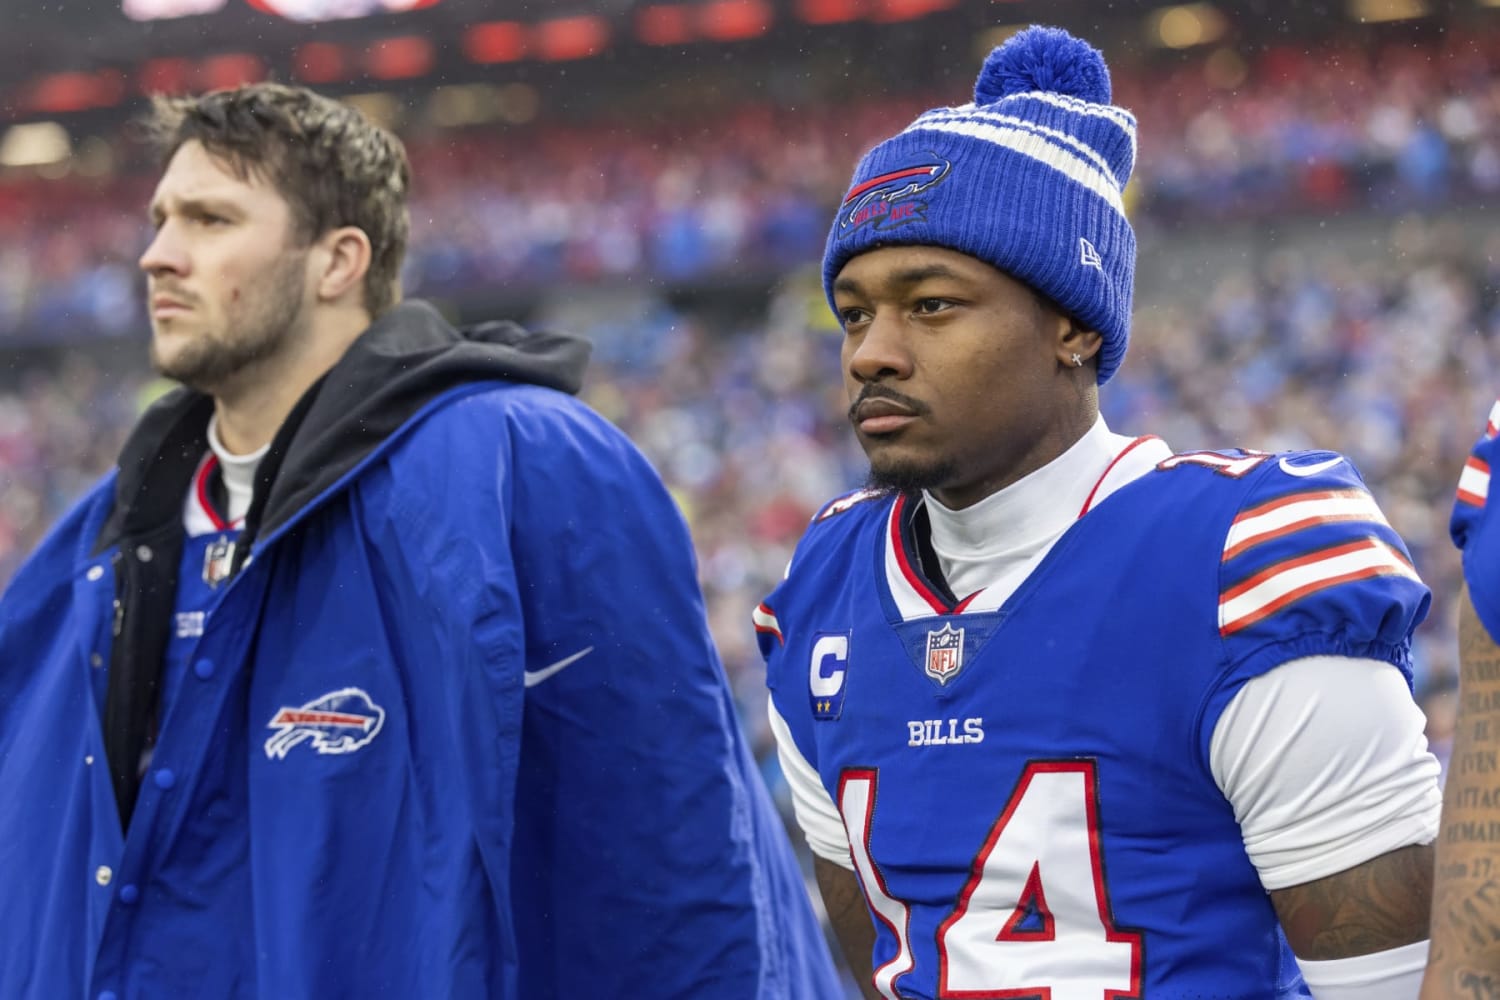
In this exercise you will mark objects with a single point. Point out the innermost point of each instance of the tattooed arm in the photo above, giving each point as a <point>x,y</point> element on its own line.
<point>1465,958</point>
<point>1337,799</point>
<point>1379,905</point>
<point>850,917</point>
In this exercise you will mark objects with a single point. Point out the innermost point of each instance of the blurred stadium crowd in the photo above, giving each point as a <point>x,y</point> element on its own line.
<point>1374,335</point>
<point>745,190</point>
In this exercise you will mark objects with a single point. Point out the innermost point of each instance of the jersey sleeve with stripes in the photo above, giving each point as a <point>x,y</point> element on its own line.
<point>1475,526</point>
<point>1311,567</point>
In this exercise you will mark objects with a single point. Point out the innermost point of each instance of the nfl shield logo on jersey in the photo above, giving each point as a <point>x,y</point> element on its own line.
<point>945,653</point>
<point>218,560</point>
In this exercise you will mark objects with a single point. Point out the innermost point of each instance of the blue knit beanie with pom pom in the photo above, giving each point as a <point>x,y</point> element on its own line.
<point>1028,178</point>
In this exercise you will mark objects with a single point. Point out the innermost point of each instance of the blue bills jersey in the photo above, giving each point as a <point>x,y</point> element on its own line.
<point>1025,782</point>
<point>1475,526</point>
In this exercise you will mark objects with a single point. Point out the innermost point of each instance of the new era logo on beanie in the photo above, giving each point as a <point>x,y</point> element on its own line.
<point>1028,178</point>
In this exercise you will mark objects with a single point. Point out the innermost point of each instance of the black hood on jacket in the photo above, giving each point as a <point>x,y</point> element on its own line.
<point>406,358</point>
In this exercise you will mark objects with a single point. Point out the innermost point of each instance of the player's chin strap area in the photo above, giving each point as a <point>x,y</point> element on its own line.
<point>1395,974</point>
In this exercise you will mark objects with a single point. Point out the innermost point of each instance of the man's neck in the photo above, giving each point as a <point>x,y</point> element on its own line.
<point>252,407</point>
<point>994,542</point>
<point>1061,432</point>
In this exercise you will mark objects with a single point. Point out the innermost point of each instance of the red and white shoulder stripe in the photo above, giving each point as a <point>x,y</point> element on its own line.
<point>765,621</point>
<point>1291,580</point>
<point>1474,481</point>
<point>1297,512</point>
<point>1306,557</point>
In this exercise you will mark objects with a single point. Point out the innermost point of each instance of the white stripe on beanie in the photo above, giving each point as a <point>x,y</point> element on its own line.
<point>1040,148</point>
<point>1011,121</point>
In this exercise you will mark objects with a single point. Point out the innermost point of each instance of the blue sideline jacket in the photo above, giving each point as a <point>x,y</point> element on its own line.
<point>454,728</point>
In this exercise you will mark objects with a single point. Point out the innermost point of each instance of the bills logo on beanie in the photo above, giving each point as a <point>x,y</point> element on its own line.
<point>1029,178</point>
<point>890,200</point>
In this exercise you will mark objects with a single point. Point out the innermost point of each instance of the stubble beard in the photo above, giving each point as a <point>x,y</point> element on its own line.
<point>912,475</point>
<point>259,330</point>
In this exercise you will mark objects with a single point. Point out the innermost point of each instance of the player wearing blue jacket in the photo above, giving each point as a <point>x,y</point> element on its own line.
<point>1065,714</point>
<point>378,668</point>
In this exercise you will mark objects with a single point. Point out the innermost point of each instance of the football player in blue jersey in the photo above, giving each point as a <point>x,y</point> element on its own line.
<point>379,666</point>
<point>1465,960</point>
<point>1067,715</point>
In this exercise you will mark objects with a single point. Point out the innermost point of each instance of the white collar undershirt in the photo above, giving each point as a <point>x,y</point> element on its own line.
<point>996,542</point>
<point>238,471</point>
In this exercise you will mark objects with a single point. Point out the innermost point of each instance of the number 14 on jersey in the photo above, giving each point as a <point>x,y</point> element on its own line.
<point>1034,917</point>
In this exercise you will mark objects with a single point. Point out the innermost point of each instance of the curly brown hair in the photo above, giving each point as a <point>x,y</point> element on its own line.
<point>333,165</point>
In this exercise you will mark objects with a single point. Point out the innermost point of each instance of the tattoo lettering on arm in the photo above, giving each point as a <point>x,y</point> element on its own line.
<point>1464,963</point>
<point>1372,907</point>
<point>845,902</point>
<point>1475,985</point>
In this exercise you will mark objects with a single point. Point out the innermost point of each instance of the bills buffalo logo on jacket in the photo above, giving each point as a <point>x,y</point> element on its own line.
<point>338,722</point>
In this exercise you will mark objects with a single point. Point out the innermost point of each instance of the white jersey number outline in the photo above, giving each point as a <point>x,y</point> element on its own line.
<point>1042,856</point>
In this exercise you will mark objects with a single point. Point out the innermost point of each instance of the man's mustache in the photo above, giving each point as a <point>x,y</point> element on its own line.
<point>874,390</point>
